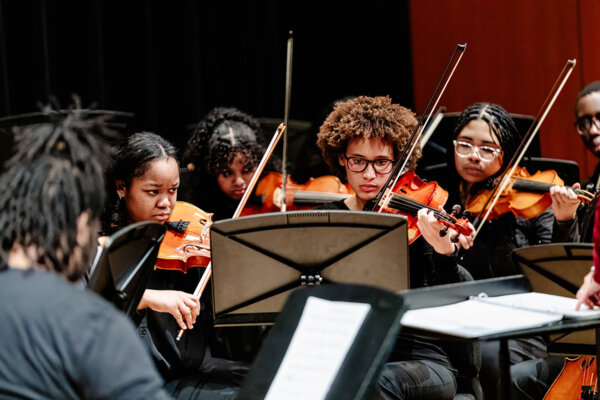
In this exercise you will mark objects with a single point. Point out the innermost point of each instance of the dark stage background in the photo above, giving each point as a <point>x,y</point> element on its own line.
<point>170,62</point>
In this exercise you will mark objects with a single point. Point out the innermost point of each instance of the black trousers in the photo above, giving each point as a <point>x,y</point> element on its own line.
<point>530,380</point>
<point>422,380</point>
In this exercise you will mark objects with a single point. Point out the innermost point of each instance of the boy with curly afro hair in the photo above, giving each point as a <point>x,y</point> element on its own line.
<point>361,141</point>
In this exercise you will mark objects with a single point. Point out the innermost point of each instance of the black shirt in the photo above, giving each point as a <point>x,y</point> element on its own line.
<point>59,341</point>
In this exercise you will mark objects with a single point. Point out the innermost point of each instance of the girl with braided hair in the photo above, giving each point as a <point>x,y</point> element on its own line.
<point>485,140</point>
<point>59,341</point>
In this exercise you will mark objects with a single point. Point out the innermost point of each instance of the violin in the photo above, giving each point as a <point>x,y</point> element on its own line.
<point>316,191</point>
<point>525,196</point>
<point>412,194</point>
<point>576,381</point>
<point>187,240</point>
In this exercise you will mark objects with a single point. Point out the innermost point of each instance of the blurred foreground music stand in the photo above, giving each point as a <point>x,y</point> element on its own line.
<point>258,260</point>
<point>279,369</point>
<point>559,269</point>
<point>126,263</point>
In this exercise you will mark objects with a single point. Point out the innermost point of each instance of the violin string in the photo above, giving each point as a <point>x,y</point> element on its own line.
<point>402,203</point>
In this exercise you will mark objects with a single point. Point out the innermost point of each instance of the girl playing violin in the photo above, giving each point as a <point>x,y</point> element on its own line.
<point>143,186</point>
<point>485,140</point>
<point>224,152</point>
<point>361,141</point>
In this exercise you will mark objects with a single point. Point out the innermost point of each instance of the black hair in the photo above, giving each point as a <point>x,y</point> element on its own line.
<point>589,89</point>
<point>222,134</point>
<point>219,137</point>
<point>503,127</point>
<point>131,159</point>
<point>55,176</point>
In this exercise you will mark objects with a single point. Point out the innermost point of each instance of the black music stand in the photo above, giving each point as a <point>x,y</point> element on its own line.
<point>126,263</point>
<point>361,365</point>
<point>559,269</point>
<point>257,261</point>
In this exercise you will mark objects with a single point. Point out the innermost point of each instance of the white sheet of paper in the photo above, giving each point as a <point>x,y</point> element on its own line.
<point>325,332</point>
<point>545,303</point>
<point>473,318</point>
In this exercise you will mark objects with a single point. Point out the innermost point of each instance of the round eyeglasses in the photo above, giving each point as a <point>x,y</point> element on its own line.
<point>585,122</point>
<point>465,149</point>
<point>359,164</point>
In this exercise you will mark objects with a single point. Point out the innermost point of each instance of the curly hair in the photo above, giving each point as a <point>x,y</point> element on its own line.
<point>55,176</point>
<point>222,134</point>
<point>132,158</point>
<point>366,118</point>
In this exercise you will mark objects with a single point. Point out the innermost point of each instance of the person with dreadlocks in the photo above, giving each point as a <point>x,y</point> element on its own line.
<point>485,140</point>
<point>59,341</point>
<point>223,152</point>
<point>142,186</point>
<point>361,140</point>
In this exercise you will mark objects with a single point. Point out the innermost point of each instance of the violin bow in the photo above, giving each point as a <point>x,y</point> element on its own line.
<point>286,113</point>
<point>564,75</point>
<point>416,134</point>
<point>261,166</point>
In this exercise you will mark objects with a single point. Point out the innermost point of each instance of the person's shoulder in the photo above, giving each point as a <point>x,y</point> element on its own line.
<point>48,290</point>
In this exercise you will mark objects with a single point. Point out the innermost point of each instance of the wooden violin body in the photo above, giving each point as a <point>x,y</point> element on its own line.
<point>576,381</point>
<point>305,196</point>
<point>187,240</point>
<point>413,194</point>
<point>519,196</point>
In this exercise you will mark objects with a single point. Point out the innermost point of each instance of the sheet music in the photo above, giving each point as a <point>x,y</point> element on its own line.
<point>325,332</point>
<point>545,303</point>
<point>482,316</point>
<point>471,319</point>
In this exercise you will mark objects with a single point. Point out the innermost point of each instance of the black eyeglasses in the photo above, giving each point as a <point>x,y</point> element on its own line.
<point>584,123</point>
<point>359,164</point>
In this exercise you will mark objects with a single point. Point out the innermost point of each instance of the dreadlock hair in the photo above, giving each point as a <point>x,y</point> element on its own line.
<point>220,136</point>
<point>589,89</point>
<point>366,118</point>
<point>54,178</point>
<point>501,125</point>
<point>132,158</point>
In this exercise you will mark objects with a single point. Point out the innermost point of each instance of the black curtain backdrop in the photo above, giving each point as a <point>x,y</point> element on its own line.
<point>169,62</point>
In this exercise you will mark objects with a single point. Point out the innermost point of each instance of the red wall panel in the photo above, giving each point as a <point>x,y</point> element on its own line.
<point>515,51</point>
